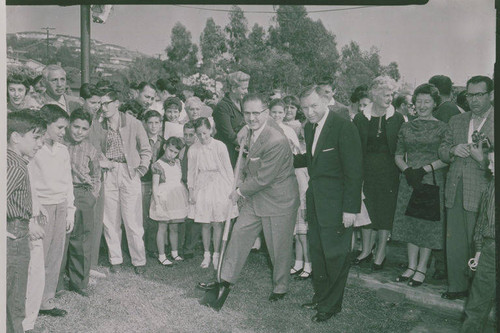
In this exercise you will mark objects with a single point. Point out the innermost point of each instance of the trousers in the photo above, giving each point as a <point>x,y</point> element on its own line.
<point>278,233</point>
<point>482,293</point>
<point>18,258</point>
<point>78,246</point>
<point>53,249</point>
<point>123,200</point>
<point>36,283</point>
<point>459,243</point>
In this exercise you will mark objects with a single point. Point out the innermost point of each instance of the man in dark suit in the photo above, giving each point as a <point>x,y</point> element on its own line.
<point>270,202</point>
<point>333,159</point>
<point>326,89</point>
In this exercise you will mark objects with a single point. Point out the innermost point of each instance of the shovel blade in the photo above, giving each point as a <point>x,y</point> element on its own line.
<point>215,298</point>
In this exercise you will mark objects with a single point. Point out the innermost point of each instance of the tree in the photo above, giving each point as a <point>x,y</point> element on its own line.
<point>145,69</point>
<point>257,40</point>
<point>212,42</point>
<point>360,68</point>
<point>312,47</point>
<point>392,70</point>
<point>237,29</point>
<point>182,53</point>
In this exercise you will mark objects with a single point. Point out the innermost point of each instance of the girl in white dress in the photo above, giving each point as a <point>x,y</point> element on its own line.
<point>302,267</point>
<point>210,179</point>
<point>169,204</point>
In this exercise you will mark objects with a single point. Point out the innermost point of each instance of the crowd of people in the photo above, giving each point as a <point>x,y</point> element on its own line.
<point>159,164</point>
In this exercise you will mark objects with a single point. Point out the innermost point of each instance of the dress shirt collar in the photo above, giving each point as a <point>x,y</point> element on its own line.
<point>256,133</point>
<point>332,102</point>
<point>484,115</point>
<point>368,112</point>
<point>321,123</point>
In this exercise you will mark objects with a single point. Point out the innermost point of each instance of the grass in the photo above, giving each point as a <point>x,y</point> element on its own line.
<point>166,300</point>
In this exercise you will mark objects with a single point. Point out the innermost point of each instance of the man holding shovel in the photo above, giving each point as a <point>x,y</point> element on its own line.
<point>270,202</point>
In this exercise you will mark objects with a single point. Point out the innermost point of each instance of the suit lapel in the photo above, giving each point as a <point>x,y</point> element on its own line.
<point>257,145</point>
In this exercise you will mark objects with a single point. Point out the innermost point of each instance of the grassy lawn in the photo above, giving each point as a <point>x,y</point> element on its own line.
<point>165,300</point>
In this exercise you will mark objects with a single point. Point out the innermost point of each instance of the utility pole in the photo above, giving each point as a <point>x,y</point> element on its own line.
<point>47,29</point>
<point>85,42</point>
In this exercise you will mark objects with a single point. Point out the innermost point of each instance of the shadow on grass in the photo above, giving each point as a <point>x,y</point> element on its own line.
<point>166,300</point>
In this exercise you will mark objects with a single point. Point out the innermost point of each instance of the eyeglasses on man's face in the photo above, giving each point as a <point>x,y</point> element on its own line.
<point>478,95</point>
<point>253,113</point>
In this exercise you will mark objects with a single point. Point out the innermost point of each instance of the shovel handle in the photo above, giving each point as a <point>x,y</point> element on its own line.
<point>227,224</point>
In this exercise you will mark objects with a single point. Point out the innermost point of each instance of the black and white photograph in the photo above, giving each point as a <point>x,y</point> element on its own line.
<point>198,167</point>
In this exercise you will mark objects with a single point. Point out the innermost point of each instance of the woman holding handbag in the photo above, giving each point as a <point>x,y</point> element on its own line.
<point>419,216</point>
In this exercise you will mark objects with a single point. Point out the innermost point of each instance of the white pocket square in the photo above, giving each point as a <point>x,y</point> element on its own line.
<point>325,150</point>
<point>253,159</point>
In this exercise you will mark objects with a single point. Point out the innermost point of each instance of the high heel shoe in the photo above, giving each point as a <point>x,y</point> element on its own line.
<point>403,278</point>
<point>415,283</point>
<point>365,259</point>
<point>377,267</point>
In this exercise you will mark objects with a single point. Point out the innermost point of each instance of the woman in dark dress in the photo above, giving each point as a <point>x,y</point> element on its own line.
<point>378,127</point>
<point>227,113</point>
<point>416,155</point>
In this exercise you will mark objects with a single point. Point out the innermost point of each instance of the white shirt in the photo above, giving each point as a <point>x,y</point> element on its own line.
<point>321,123</point>
<point>256,133</point>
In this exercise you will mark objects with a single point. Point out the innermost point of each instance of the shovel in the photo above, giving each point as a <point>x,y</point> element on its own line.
<point>213,297</point>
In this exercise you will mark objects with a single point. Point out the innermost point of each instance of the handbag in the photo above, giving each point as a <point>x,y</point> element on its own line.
<point>425,202</point>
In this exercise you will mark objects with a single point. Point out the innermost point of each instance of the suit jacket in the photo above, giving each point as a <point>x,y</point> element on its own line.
<point>472,173</point>
<point>445,111</point>
<point>72,102</point>
<point>135,141</point>
<point>394,120</point>
<point>340,109</point>
<point>335,171</point>
<point>228,121</point>
<point>270,186</point>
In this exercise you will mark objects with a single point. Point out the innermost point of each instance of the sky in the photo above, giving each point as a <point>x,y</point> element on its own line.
<point>449,37</point>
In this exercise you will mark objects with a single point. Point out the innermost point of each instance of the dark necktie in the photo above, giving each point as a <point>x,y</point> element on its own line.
<point>314,126</point>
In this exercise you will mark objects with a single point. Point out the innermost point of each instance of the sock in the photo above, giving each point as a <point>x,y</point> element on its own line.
<point>206,254</point>
<point>307,267</point>
<point>299,264</point>
<point>174,254</point>
<point>162,257</point>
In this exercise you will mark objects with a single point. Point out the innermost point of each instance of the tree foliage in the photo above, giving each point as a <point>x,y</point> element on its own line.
<point>358,67</point>
<point>182,53</point>
<point>212,42</point>
<point>236,30</point>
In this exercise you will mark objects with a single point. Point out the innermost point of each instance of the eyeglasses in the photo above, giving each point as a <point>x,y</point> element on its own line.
<point>480,94</point>
<point>254,113</point>
<point>106,103</point>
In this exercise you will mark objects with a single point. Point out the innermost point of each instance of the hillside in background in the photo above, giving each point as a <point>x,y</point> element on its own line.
<point>30,49</point>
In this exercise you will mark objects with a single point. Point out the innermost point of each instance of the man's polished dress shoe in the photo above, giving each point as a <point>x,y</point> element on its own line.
<point>322,316</point>
<point>207,285</point>
<point>368,258</point>
<point>215,298</point>
<point>54,312</point>
<point>276,297</point>
<point>115,268</point>
<point>139,270</point>
<point>310,306</point>
<point>454,295</point>
<point>81,292</point>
